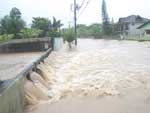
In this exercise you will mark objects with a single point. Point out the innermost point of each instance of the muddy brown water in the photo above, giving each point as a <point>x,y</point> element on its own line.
<point>97,76</point>
<point>12,64</point>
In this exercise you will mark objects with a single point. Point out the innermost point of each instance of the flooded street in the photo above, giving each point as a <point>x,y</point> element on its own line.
<point>13,63</point>
<point>97,76</point>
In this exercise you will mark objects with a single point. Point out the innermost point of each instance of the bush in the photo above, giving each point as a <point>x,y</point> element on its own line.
<point>93,30</point>
<point>69,35</point>
<point>30,33</point>
<point>6,37</point>
<point>54,33</point>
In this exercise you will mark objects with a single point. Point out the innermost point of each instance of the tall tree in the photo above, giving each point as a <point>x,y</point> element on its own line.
<point>12,23</point>
<point>15,13</point>
<point>50,28</point>
<point>16,22</point>
<point>5,25</point>
<point>43,24</point>
<point>55,28</point>
<point>105,20</point>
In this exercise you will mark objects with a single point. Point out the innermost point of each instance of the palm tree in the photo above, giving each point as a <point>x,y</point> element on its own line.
<point>55,27</point>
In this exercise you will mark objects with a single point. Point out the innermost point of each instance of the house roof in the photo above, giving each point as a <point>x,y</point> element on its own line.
<point>133,19</point>
<point>146,26</point>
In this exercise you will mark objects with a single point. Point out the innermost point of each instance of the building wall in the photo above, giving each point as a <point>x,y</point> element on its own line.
<point>129,30</point>
<point>145,29</point>
<point>134,32</point>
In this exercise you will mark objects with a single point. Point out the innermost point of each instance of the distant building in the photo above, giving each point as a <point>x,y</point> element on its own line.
<point>129,26</point>
<point>145,29</point>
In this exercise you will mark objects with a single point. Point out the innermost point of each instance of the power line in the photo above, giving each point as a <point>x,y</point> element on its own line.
<point>76,7</point>
<point>87,3</point>
<point>82,3</point>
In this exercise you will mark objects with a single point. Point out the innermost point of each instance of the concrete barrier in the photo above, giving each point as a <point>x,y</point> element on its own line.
<point>58,42</point>
<point>12,95</point>
<point>25,45</point>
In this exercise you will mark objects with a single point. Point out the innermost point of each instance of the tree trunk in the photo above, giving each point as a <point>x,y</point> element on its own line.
<point>69,43</point>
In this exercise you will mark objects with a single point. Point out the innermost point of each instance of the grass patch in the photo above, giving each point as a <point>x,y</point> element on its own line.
<point>139,39</point>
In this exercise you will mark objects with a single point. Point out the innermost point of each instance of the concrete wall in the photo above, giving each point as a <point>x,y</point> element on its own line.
<point>12,98</point>
<point>12,92</point>
<point>25,45</point>
<point>58,43</point>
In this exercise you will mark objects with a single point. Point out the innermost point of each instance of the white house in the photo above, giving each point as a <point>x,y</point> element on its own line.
<point>129,26</point>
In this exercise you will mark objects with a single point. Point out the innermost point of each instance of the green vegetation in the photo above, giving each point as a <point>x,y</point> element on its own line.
<point>30,33</point>
<point>55,28</point>
<point>93,30</point>
<point>12,23</point>
<point>106,26</point>
<point>139,39</point>
<point>47,27</point>
<point>6,37</point>
<point>12,26</point>
<point>97,30</point>
<point>41,23</point>
<point>69,36</point>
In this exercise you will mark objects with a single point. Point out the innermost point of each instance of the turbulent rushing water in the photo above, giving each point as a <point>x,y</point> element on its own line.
<point>93,68</point>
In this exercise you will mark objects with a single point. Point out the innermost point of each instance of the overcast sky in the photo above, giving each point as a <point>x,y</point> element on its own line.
<point>61,9</point>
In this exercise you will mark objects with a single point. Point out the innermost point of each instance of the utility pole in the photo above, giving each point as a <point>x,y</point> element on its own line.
<point>75,21</point>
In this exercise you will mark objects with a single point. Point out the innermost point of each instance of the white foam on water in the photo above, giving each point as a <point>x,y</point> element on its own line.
<point>97,72</point>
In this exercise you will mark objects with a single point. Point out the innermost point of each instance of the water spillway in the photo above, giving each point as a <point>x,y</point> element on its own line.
<point>115,73</point>
<point>109,71</point>
<point>12,91</point>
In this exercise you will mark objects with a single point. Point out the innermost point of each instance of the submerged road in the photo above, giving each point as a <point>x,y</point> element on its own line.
<point>98,76</point>
<point>13,63</point>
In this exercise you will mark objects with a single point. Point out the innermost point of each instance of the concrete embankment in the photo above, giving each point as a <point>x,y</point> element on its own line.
<point>12,97</point>
<point>12,92</point>
<point>25,45</point>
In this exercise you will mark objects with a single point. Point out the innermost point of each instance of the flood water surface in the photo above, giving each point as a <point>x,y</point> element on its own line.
<point>105,76</point>
<point>11,64</point>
